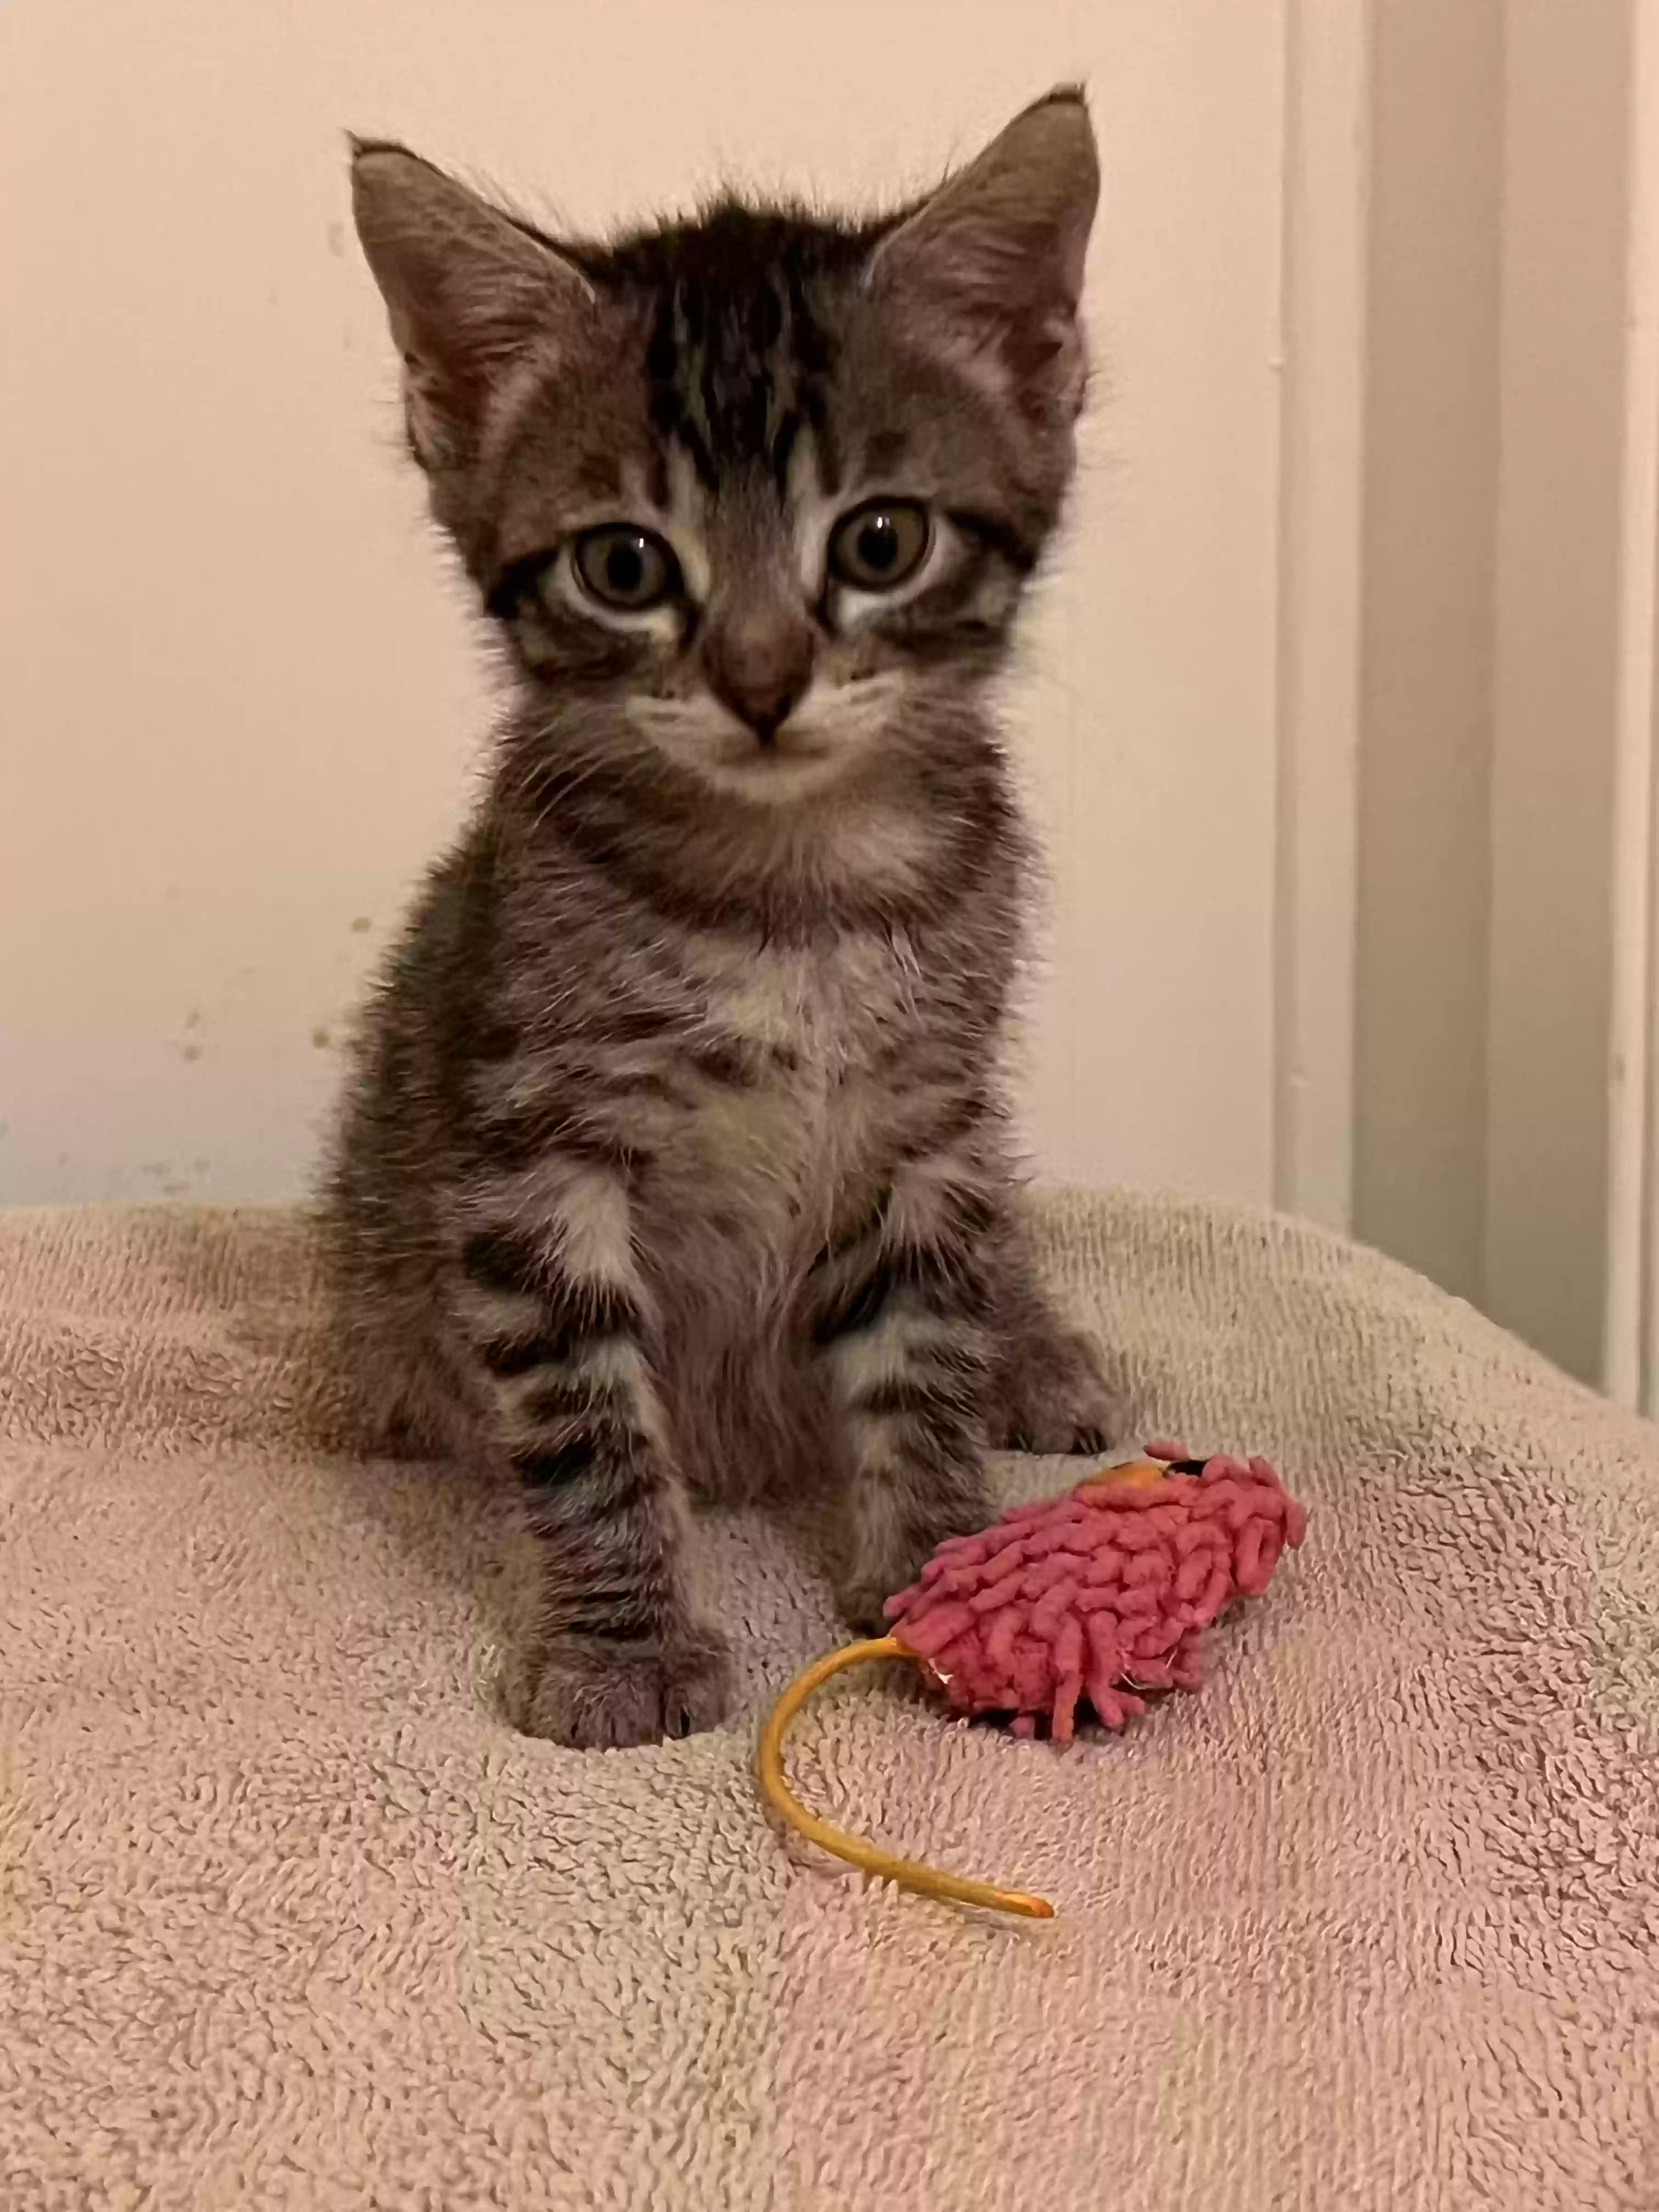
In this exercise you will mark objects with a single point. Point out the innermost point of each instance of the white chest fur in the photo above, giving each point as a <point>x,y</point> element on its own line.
<point>827,1010</point>
<point>776,1138</point>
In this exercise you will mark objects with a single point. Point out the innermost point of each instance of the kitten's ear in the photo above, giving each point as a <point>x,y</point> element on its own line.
<point>994,259</point>
<point>467,290</point>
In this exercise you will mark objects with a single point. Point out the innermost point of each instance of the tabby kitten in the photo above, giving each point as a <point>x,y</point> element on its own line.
<point>675,1153</point>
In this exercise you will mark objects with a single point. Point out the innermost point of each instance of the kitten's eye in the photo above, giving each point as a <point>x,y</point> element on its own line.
<point>880,544</point>
<point>625,566</point>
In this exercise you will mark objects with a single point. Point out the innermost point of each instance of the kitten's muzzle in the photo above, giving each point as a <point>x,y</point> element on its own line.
<point>759,667</point>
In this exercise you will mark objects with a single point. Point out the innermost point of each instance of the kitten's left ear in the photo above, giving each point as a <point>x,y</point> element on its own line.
<point>994,259</point>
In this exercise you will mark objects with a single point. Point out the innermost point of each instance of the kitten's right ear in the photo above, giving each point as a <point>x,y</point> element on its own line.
<point>466,288</point>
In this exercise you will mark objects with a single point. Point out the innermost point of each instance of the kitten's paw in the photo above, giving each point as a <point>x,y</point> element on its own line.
<point>865,1586</point>
<point>1054,1398</point>
<point>862,1604</point>
<point>596,1695</point>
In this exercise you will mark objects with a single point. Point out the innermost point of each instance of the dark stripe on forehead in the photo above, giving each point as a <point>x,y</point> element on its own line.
<point>783,447</point>
<point>815,406</point>
<point>657,486</point>
<point>669,418</point>
<point>815,362</point>
<point>739,363</point>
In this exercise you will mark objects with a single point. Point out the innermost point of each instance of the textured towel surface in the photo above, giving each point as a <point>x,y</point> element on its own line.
<point>289,1917</point>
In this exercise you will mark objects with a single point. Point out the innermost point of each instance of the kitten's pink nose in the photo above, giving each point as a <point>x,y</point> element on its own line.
<point>760,665</point>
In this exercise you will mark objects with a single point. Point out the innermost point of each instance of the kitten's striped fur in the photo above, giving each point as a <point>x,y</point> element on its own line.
<point>675,1157</point>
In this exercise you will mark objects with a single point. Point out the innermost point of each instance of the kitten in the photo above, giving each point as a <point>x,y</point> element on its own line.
<point>676,1154</point>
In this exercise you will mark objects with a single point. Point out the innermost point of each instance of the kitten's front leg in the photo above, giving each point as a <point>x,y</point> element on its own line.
<point>558,1316</point>
<point>902,1316</point>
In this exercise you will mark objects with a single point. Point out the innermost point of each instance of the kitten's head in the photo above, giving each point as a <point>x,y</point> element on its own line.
<point>757,483</point>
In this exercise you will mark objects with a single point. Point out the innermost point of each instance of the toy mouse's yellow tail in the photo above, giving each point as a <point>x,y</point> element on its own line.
<point>883,1864</point>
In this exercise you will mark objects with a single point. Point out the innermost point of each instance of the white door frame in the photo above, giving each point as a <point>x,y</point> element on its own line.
<point>1327,173</point>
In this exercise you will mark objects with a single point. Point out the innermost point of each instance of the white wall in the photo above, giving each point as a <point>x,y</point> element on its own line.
<point>239,697</point>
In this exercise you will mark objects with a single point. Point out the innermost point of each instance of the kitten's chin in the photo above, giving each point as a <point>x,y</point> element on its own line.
<point>777,774</point>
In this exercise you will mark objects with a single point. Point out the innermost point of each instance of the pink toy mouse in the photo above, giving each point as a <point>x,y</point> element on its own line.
<point>1097,1596</point>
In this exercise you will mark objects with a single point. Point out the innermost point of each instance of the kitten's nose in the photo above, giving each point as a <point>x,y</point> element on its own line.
<point>760,665</point>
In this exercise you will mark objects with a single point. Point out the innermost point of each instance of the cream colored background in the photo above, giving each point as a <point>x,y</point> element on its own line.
<point>242,695</point>
<point>1339,712</point>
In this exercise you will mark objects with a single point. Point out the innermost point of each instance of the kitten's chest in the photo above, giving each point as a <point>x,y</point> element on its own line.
<point>790,1060</point>
<point>811,1019</point>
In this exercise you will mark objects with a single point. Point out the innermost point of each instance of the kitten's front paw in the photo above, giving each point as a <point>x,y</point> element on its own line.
<point>596,1695</point>
<point>862,1604</point>
<point>865,1585</point>
<point>1054,1398</point>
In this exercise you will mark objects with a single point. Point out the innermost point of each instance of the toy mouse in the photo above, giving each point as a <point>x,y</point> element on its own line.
<point>1092,1597</point>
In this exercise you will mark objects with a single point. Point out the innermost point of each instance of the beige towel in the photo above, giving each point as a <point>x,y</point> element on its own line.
<point>289,1917</point>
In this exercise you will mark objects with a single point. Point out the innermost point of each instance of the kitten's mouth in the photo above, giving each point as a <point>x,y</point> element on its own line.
<point>806,752</point>
<point>786,748</point>
<point>774,770</point>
